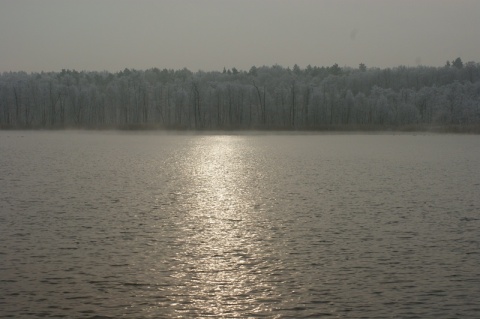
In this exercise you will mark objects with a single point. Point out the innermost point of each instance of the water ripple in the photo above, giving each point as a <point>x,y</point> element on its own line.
<point>98,225</point>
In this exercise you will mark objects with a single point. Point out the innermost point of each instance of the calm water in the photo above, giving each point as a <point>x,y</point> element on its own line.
<point>105,225</point>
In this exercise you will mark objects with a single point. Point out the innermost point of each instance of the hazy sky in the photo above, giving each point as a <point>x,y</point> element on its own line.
<point>50,35</point>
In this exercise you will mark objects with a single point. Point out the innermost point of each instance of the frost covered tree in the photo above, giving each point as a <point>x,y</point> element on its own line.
<point>262,98</point>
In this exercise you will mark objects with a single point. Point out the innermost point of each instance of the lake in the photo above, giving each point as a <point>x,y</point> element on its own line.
<point>157,225</point>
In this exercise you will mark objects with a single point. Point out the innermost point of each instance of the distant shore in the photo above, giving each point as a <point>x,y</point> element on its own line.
<point>461,129</point>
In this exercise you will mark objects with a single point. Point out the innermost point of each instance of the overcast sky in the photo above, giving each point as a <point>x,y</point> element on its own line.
<point>50,35</point>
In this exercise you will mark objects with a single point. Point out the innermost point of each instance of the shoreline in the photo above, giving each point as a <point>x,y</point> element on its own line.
<point>449,129</point>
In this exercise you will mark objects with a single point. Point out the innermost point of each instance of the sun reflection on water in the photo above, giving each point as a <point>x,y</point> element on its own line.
<point>221,260</point>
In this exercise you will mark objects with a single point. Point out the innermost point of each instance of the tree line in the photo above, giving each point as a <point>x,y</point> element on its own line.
<point>267,97</point>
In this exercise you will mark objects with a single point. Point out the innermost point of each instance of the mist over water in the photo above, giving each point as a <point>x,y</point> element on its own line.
<point>149,225</point>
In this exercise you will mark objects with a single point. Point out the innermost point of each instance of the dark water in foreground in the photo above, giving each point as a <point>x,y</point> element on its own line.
<point>104,225</point>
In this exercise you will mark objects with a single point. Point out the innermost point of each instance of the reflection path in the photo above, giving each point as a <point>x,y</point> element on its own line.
<point>223,264</point>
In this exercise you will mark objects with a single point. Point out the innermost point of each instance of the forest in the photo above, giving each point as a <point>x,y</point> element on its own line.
<point>267,97</point>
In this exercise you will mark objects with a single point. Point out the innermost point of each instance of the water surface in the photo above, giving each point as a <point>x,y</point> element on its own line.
<point>150,225</point>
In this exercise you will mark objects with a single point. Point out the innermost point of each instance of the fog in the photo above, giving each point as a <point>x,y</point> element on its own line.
<point>111,35</point>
